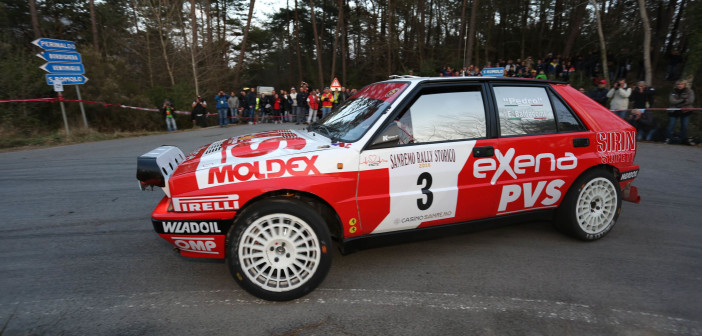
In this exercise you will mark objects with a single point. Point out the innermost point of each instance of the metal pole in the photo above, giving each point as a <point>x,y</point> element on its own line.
<point>465,47</point>
<point>63,113</point>
<point>82,110</point>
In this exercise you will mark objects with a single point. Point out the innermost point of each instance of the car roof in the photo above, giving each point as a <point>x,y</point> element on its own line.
<point>417,79</point>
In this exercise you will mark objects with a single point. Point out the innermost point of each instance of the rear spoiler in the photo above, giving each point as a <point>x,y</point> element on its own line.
<point>156,167</point>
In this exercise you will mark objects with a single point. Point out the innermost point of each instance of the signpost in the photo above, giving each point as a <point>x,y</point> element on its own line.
<point>497,72</point>
<point>335,86</point>
<point>65,67</point>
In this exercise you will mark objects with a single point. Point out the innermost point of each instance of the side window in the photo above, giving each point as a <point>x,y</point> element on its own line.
<point>440,116</point>
<point>524,110</point>
<point>567,122</point>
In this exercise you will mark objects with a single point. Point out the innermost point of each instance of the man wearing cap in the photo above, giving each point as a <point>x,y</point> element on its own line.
<point>327,101</point>
<point>599,94</point>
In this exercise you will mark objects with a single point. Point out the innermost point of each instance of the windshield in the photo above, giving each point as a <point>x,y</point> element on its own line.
<point>350,120</point>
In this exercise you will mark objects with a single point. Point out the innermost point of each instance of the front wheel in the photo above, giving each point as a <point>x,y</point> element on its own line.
<point>278,249</point>
<point>591,207</point>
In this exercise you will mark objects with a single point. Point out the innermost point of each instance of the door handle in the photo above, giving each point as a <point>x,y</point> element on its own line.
<point>485,151</point>
<point>581,142</point>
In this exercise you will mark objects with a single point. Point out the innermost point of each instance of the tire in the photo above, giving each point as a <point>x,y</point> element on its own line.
<point>279,249</point>
<point>591,207</point>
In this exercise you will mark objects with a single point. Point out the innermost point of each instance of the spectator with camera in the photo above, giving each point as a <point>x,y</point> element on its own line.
<point>620,97</point>
<point>643,122</point>
<point>222,107</point>
<point>199,112</point>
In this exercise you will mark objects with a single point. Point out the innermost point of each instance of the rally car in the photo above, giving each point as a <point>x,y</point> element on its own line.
<point>401,158</point>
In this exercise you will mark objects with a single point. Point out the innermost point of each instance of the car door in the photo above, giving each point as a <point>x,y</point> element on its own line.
<point>410,172</point>
<point>540,144</point>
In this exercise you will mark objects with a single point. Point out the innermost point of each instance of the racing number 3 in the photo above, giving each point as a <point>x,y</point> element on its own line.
<point>423,204</point>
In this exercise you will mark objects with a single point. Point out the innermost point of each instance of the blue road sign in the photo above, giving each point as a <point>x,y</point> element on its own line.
<point>66,79</point>
<point>51,44</point>
<point>499,72</point>
<point>59,56</point>
<point>61,68</point>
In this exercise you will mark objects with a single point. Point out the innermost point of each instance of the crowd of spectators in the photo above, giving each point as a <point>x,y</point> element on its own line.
<point>302,105</point>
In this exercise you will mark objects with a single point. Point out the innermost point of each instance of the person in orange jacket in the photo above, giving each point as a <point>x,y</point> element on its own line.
<point>327,101</point>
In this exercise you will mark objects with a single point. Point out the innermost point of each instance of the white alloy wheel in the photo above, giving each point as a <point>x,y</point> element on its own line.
<point>596,205</point>
<point>279,252</point>
<point>591,206</point>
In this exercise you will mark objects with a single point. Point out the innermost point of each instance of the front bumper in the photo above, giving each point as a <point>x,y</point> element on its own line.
<point>197,235</point>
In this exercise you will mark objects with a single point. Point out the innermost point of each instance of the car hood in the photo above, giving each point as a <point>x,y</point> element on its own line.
<point>253,147</point>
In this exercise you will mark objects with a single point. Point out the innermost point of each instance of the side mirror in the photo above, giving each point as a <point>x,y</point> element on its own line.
<point>390,137</point>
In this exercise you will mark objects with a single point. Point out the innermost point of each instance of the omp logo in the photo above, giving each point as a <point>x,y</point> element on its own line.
<point>193,244</point>
<point>242,172</point>
<point>513,166</point>
<point>206,203</point>
<point>191,227</point>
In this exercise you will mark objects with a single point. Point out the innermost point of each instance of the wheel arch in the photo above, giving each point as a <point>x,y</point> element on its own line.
<point>321,206</point>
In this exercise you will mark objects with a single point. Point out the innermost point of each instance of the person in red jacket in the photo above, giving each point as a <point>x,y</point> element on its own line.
<point>313,102</point>
<point>327,101</point>
<point>277,102</point>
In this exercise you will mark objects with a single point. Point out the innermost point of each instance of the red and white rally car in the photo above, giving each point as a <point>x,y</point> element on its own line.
<point>402,157</point>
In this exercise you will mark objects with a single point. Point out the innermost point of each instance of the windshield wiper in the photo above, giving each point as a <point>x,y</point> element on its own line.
<point>328,130</point>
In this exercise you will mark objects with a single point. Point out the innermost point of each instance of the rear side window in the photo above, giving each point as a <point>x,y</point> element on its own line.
<point>524,110</point>
<point>567,122</point>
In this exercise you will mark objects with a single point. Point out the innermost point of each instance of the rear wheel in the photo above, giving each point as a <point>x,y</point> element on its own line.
<point>279,249</point>
<point>591,207</point>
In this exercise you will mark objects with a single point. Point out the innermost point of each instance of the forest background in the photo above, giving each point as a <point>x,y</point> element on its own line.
<point>138,52</point>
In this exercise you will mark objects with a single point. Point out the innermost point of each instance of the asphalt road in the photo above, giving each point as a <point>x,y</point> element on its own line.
<point>78,255</point>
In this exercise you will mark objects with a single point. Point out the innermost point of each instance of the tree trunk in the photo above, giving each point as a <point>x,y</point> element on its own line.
<point>320,75</point>
<point>578,16</point>
<point>93,24</point>
<point>159,18</point>
<point>297,44</point>
<point>694,56</point>
<point>240,63</point>
<point>336,39</point>
<point>462,31</point>
<point>646,43</point>
<point>35,18</point>
<point>471,30</point>
<point>193,26</point>
<point>344,42</point>
<point>193,47</point>
<point>420,35</point>
<point>388,13</point>
<point>603,45</point>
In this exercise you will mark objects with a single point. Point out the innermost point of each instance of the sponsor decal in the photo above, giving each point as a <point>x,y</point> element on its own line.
<point>373,160</point>
<point>191,227</point>
<point>616,147</point>
<point>521,164</point>
<point>546,193</point>
<point>258,170</point>
<point>427,217</point>
<point>352,221</point>
<point>391,92</point>
<point>423,158</point>
<point>510,101</point>
<point>206,203</point>
<point>353,229</point>
<point>196,244</point>
<point>629,175</point>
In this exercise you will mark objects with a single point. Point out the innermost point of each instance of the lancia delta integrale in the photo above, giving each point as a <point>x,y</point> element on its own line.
<point>401,158</point>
